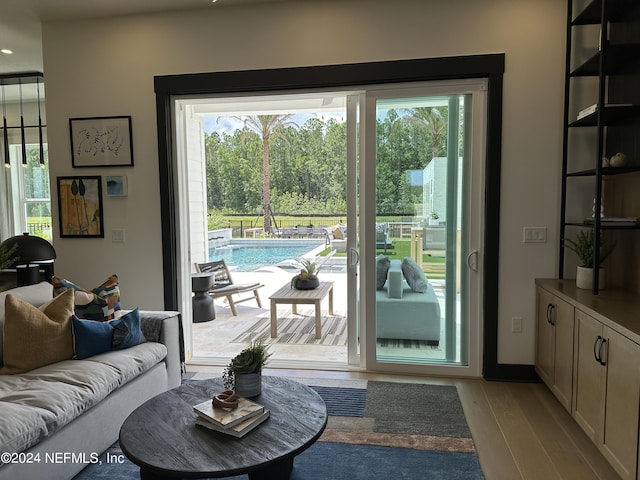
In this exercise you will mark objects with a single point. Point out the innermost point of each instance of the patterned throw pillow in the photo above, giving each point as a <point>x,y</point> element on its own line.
<point>414,275</point>
<point>35,337</point>
<point>100,304</point>
<point>382,269</point>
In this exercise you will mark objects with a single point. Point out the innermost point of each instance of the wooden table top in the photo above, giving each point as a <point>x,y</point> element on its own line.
<point>161,436</point>
<point>289,293</point>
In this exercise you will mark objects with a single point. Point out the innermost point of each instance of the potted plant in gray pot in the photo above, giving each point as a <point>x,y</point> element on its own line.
<point>244,372</point>
<point>583,247</point>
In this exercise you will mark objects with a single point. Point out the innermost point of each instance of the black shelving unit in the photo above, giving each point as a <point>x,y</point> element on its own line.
<point>614,126</point>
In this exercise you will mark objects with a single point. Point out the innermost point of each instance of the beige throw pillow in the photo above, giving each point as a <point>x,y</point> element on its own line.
<point>34,337</point>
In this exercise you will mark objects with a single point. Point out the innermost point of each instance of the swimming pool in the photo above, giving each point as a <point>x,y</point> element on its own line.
<point>251,255</point>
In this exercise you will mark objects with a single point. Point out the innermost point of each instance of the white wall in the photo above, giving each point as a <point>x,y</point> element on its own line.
<point>106,67</point>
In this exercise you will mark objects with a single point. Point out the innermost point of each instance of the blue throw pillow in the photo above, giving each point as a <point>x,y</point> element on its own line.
<point>126,331</point>
<point>90,337</point>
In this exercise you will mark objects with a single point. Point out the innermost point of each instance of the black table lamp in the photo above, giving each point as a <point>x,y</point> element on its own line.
<point>33,253</point>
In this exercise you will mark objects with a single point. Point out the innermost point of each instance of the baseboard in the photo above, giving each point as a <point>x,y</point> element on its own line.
<point>503,372</point>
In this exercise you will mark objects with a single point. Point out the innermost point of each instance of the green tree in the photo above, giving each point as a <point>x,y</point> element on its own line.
<point>266,126</point>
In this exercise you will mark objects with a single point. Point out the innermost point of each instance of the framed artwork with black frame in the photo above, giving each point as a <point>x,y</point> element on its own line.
<point>101,141</point>
<point>80,207</point>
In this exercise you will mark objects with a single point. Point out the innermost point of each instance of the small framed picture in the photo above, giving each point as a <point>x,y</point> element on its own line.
<point>117,185</point>
<point>80,207</point>
<point>101,142</point>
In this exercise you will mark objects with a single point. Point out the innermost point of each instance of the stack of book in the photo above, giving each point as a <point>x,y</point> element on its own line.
<point>237,422</point>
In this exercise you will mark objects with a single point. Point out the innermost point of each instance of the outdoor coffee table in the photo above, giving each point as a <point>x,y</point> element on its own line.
<point>290,295</point>
<point>162,438</point>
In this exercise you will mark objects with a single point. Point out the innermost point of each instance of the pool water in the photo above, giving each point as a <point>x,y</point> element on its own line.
<point>248,257</point>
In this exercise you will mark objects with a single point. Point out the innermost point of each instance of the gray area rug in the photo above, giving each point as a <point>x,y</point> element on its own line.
<point>416,409</point>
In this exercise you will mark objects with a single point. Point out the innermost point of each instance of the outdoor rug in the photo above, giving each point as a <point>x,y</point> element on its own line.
<point>386,430</point>
<point>299,328</point>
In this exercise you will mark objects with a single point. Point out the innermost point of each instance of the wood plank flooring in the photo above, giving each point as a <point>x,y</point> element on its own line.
<point>520,430</point>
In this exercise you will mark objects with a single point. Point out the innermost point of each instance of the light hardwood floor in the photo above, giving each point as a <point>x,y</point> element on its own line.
<point>519,429</point>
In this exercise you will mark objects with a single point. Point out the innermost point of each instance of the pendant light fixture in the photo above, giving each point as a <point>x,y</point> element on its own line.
<point>5,132</point>
<point>22,134</point>
<point>40,137</point>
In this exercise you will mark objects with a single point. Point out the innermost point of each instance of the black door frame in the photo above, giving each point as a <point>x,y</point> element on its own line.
<point>489,66</point>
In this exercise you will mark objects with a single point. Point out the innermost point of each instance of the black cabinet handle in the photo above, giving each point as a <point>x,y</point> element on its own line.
<point>550,309</point>
<point>606,351</point>
<point>597,348</point>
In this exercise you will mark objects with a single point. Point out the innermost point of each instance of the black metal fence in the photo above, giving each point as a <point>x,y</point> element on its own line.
<point>38,228</point>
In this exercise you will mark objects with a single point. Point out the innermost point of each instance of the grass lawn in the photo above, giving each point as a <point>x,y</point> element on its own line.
<point>401,249</point>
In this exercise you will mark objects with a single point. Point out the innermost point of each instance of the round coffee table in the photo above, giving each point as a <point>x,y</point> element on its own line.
<point>161,436</point>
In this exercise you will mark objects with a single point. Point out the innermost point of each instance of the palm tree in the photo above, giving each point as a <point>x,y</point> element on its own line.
<point>433,121</point>
<point>266,126</point>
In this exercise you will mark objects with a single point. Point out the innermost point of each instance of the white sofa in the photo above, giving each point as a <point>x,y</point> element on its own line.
<point>76,407</point>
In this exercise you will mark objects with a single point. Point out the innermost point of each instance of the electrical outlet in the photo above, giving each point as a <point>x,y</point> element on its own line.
<point>534,234</point>
<point>516,325</point>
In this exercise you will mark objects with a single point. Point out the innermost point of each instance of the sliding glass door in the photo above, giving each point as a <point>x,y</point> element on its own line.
<point>424,169</point>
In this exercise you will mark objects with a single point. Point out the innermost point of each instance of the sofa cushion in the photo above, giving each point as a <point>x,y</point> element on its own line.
<point>101,303</point>
<point>414,275</point>
<point>395,285</point>
<point>382,268</point>
<point>38,403</point>
<point>36,336</point>
<point>92,338</point>
<point>36,295</point>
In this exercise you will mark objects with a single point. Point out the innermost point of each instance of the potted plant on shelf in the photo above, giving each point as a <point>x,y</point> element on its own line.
<point>583,246</point>
<point>244,373</point>
<point>307,279</point>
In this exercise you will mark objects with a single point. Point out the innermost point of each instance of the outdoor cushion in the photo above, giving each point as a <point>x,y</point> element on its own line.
<point>38,403</point>
<point>382,267</point>
<point>414,275</point>
<point>36,336</point>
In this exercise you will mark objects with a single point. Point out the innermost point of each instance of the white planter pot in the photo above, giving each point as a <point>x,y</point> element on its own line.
<point>584,278</point>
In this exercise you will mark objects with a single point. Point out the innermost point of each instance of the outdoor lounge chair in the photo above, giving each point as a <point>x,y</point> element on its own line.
<point>223,285</point>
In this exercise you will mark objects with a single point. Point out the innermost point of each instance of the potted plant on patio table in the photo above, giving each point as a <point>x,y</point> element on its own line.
<point>307,279</point>
<point>244,373</point>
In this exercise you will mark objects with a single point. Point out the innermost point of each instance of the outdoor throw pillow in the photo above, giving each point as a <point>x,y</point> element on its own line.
<point>101,303</point>
<point>414,275</point>
<point>92,338</point>
<point>37,336</point>
<point>382,269</point>
<point>337,233</point>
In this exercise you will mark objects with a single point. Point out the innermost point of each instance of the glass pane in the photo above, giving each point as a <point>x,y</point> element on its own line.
<point>419,173</point>
<point>36,176</point>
